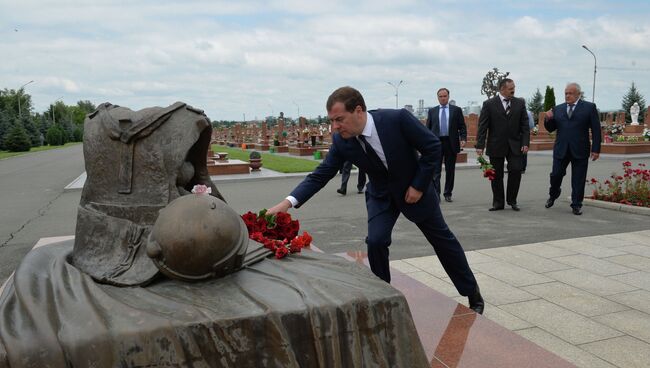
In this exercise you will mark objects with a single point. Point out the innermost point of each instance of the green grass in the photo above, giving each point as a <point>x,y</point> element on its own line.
<point>271,161</point>
<point>7,154</point>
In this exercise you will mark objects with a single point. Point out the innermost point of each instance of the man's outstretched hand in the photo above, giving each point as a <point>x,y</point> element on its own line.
<point>280,207</point>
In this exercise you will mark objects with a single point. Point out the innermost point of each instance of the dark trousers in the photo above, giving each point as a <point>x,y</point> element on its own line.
<point>447,248</point>
<point>514,179</point>
<point>449,158</point>
<point>578,177</point>
<point>345,176</point>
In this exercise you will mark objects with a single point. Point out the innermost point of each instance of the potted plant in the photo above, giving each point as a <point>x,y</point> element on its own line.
<point>255,160</point>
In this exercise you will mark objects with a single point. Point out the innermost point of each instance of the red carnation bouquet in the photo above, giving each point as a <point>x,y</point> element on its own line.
<point>488,170</point>
<point>278,233</point>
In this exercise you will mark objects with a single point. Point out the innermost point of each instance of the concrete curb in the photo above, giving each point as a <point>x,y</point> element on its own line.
<point>617,206</point>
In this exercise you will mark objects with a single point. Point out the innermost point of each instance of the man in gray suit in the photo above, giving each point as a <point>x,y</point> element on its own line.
<point>504,122</point>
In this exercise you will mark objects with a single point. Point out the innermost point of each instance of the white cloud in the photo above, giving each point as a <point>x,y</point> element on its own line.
<point>258,57</point>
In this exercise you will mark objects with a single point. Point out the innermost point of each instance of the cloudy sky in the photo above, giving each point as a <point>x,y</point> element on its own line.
<point>256,58</point>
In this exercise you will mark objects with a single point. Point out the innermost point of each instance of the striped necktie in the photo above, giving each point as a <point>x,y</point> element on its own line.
<point>507,100</point>
<point>571,110</point>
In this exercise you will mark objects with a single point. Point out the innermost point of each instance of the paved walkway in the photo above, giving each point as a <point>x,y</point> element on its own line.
<point>584,299</point>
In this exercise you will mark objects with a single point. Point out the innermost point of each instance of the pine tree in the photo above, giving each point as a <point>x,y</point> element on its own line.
<point>549,98</point>
<point>535,104</point>
<point>633,95</point>
<point>17,139</point>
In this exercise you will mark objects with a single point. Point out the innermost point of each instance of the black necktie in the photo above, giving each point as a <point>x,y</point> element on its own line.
<point>507,100</point>
<point>370,152</point>
<point>571,110</point>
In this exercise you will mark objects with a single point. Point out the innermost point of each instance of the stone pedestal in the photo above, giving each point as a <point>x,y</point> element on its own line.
<point>301,151</point>
<point>228,167</point>
<point>625,148</point>
<point>633,129</point>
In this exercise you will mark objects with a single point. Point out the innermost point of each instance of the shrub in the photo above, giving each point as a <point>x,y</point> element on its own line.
<point>254,155</point>
<point>55,136</point>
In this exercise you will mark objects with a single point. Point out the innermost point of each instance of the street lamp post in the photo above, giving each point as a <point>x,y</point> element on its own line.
<point>396,91</point>
<point>298,106</point>
<point>20,96</point>
<point>593,92</point>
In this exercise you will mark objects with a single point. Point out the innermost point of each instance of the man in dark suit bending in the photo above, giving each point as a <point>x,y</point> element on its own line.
<point>572,120</point>
<point>385,144</point>
<point>448,124</point>
<point>504,122</point>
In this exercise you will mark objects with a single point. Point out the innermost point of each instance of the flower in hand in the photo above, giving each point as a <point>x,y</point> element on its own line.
<point>488,170</point>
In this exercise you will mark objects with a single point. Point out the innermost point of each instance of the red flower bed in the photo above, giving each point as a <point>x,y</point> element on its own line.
<point>631,188</point>
<point>279,233</point>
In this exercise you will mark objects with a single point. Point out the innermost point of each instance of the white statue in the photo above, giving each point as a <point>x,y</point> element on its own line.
<point>634,112</point>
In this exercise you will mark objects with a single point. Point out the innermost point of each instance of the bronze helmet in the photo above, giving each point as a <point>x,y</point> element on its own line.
<point>196,237</point>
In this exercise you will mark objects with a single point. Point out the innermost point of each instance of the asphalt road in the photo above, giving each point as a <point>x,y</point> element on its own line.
<point>33,205</point>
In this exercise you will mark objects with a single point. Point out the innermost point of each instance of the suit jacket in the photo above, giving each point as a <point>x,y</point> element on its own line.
<point>402,136</point>
<point>573,133</point>
<point>503,132</point>
<point>457,128</point>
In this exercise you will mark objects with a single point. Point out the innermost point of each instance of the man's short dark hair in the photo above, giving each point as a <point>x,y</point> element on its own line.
<point>502,82</point>
<point>349,96</point>
<point>442,89</point>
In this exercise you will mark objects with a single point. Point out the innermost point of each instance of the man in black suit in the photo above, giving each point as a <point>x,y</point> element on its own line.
<point>448,124</point>
<point>345,176</point>
<point>398,154</point>
<point>504,122</point>
<point>572,120</point>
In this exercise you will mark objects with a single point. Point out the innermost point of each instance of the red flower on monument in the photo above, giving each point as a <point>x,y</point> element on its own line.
<point>488,170</point>
<point>201,189</point>
<point>278,233</point>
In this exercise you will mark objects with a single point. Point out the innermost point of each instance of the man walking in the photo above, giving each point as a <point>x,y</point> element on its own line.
<point>572,120</point>
<point>385,144</point>
<point>448,124</point>
<point>504,122</point>
<point>345,176</point>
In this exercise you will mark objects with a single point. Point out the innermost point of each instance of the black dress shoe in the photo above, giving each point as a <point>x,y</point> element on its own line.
<point>577,211</point>
<point>476,302</point>
<point>448,198</point>
<point>341,191</point>
<point>495,208</point>
<point>515,207</point>
<point>549,202</point>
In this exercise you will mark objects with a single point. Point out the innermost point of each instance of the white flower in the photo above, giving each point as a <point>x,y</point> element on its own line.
<point>201,189</point>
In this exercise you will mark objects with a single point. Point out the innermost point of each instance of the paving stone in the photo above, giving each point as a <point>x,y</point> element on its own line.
<point>609,241</point>
<point>640,237</point>
<point>545,250</point>
<point>623,351</point>
<point>642,250</point>
<point>524,259</point>
<point>504,318</point>
<point>403,267</point>
<point>435,283</point>
<point>513,275</point>
<point>637,299</point>
<point>631,322</point>
<point>594,250</point>
<point>571,353</point>
<point>574,299</point>
<point>596,265</point>
<point>631,260</point>
<point>429,264</point>
<point>497,292</point>
<point>640,279</point>
<point>561,322</point>
<point>590,282</point>
<point>474,257</point>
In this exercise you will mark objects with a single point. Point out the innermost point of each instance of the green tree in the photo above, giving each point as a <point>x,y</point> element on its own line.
<point>31,129</point>
<point>535,104</point>
<point>78,134</point>
<point>490,86</point>
<point>55,135</point>
<point>633,95</point>
<point>5,126</point>
<point>17,139</point>
<point>549,98</point>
